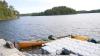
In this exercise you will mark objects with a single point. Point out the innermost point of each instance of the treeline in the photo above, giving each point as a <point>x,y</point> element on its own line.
<point>91,11</point>
<point>6,11</point>
<point>61,10</point>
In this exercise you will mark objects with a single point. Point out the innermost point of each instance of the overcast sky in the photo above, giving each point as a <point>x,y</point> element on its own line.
<point>29,6</point>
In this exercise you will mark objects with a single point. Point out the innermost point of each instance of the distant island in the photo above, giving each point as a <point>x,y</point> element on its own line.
<point>6,11</point>
<point>91,11</point>
<point>60,10</point>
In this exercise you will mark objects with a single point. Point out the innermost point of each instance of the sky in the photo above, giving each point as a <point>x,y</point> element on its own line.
<point>32,6</point>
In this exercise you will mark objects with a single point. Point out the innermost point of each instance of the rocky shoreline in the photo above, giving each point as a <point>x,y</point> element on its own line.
<point>7,49</point>
<point>70,46</point>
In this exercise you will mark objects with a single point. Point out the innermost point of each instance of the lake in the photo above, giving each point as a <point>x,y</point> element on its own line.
<point>37,27</point>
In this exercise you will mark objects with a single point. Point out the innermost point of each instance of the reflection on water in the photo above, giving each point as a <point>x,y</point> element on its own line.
<point>36,27</point>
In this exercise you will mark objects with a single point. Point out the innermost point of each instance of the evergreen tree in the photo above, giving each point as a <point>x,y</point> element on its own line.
<point>7,12</point>
<point>60,10</point>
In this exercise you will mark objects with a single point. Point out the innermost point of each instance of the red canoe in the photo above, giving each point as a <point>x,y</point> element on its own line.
<point>27,44</point>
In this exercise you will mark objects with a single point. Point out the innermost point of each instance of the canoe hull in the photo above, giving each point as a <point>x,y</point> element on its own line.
<point>28,44</point>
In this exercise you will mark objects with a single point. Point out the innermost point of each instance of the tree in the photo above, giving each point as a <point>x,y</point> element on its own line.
<point>6,11</point>
<point>60,10</point>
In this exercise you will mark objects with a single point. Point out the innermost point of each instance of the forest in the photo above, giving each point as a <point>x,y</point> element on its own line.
<point>7,11</point>
<point>60,10</point>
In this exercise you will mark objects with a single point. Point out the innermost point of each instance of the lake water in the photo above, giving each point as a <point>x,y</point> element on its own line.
<point>36,27</point>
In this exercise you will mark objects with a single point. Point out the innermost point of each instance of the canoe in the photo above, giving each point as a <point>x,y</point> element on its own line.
<point>27,44</point>
<point>80,37</point>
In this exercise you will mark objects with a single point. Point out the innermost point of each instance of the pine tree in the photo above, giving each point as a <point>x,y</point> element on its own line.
<point>7,12</point>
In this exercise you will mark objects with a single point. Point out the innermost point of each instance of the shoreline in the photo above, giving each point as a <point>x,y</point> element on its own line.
<point>37,51</point>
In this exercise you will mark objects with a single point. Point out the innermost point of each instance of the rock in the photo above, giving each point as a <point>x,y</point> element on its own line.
<point>65,52</point>
<point>73,46</point>
<point>9,44</point>
<point>50,37</point>
<point>2,42</point>
<point>4,51</point>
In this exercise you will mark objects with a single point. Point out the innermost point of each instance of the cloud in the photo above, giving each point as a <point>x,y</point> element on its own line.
<point>84,4</point>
